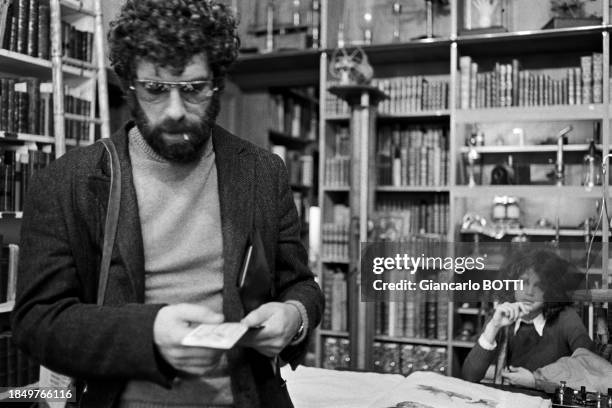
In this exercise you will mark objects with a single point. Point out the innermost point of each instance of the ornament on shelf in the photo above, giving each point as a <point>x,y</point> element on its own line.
<point>350,68</point>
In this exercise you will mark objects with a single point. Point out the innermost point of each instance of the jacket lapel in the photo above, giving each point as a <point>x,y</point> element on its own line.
<point>236,178</point>
<point>129,234</point>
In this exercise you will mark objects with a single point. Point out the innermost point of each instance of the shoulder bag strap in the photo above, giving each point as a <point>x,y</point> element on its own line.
<point>112,218</point>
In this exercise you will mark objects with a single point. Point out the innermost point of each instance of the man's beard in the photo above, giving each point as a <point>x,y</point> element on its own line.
<point>195,134</point>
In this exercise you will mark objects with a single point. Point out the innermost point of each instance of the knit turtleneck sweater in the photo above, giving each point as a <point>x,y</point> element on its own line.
<point>181,230</point>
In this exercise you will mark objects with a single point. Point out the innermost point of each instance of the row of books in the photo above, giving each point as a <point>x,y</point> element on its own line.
<point>509,85</point>
<point>9,261</point>
<point>401,219</point>
<point>294,115</point>
<point>336,353</point>
<point>16,169</point>
<point>299,166</point>
<point>407,358</point>
<point>77,129</point>
<point>284,25</point>
<point>25,27</point>
<point>337,171</point>
<point>335,241</point>
<point>405,95</point>
<point>414,314</point>
<point>77,44</point>
<point>412,94</point>
<point>16,368</point>
<point>413,156</point>
<point>335,292</point>
<point>25,106</point>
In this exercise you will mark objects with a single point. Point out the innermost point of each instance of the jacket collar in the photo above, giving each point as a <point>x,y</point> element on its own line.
<point>236,180</point>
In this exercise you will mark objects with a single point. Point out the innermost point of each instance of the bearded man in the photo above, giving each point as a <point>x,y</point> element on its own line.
<point>192,195</point>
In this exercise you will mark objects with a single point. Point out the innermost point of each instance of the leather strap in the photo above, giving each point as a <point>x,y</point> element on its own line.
<point>502,356</point>
<point>112,218</point>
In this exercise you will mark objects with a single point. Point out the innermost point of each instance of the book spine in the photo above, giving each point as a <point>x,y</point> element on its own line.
<point>473,73</point>
<point>465,64</point>
<point>586,65</point>
<point>597,59</point>
<point>14,36</point>
<point>515,82</point>
<point>578,83</point>
<point>22,26</point>
<point>33,10</point>
<point>44,29</point>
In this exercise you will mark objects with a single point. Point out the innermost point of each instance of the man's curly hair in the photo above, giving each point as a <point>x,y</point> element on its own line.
<point>170,33</point>
<point>554,272</point>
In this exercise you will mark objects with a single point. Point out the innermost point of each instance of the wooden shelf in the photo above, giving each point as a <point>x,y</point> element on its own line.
<point>527,149</point>
<point>7,307</point>
<point>593,295</point>
<point>413,189</point>
<point>423,115</point>
<point>338,189</point>
<point>333,333</point>
<point>411,340</point>
<point>550,41</point>
<point>335,260</point>
<point>73,142</point>
<point>24,137</point>
<point>283,68</point>
<point>26,66</point>
<point>470,311</point>
<point>463,344</point>
<point>541,232</point>
<point>278,28</point>
<point>428,49</point>
<point>553,192</point>
<point>70,7</point>
<point>338,117</point>
<point>291,142</point>
<point>530,113</point>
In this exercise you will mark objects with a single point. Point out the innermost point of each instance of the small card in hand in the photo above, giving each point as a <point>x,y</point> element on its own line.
<point>217,336</point>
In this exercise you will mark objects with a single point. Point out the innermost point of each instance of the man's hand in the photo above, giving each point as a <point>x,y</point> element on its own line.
<point>281,322</point>
<point>172,323</point>
<point>519,376</point>
<point>504,315</point>
<point>508,313</point>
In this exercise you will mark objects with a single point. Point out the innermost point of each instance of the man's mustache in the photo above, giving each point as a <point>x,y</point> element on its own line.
<point>178,127</point>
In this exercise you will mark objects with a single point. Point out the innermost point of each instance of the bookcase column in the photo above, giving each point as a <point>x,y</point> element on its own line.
<point>363,100</point>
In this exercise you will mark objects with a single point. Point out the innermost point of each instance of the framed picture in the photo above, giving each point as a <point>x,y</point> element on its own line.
<point>483,16</point>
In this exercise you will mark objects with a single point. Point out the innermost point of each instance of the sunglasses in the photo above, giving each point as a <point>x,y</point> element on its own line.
<point>158,91</point>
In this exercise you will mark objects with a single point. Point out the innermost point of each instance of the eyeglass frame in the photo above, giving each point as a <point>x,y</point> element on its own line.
<point>178,85</point>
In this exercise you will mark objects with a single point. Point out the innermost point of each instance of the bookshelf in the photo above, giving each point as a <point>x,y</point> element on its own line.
<point>547,54</point>
<point>52,79</point>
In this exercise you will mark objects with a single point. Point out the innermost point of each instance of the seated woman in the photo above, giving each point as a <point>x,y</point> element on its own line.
<point>543,327</point>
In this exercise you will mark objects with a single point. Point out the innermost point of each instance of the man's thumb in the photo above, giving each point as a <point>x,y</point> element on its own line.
<point>255,318</point>
<point>198,314</point>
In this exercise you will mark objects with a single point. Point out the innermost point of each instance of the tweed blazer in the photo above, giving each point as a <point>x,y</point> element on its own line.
<point>56,319</point>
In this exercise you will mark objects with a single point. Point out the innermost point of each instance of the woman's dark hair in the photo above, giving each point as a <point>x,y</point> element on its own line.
<point>554,272</point>
<point>170,33</point>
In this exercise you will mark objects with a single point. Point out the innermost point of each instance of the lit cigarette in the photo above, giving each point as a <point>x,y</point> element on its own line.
<point>185,137</point>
